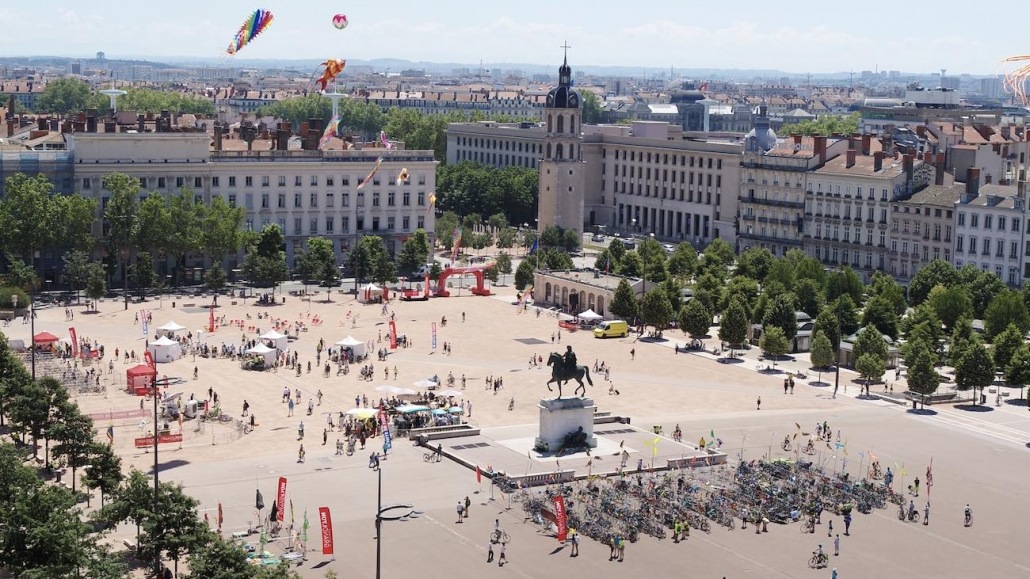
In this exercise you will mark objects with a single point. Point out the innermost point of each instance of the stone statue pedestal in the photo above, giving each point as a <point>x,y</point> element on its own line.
<point>560,417</point>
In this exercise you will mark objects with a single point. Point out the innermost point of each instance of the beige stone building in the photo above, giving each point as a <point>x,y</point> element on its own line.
<point>577,291</point>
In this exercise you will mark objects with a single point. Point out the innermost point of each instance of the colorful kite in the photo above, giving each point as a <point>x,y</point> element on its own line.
<point>455,244</point>
<point>252,27</point>
<point>331,69</point>
<point>375,169</point>
<point>432,200</point>
<point>340,21</point>
<point>382,139</point>
<point>329,132</point>
<point>402,176</point>
<point>1015,81</point>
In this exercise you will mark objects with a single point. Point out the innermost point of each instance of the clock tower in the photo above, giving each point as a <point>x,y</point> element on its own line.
<point>562,171</point>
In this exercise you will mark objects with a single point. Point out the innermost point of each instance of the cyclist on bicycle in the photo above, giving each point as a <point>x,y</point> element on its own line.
<point>786,442</point>
<point>439,451</point>
<point>911,509</point>
<point>821,556</point>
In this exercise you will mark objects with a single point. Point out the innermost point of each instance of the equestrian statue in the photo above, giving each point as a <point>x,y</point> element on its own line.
<point>564,368</point>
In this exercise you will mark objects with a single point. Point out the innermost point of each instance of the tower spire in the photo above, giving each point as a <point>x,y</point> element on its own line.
<point>566,47</point>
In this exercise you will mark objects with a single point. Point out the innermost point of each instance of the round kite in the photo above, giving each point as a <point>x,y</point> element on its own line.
<point>340,21</point>
<point>254,25</point>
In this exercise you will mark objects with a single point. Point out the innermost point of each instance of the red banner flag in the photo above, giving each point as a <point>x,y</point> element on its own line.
<point>75,343</point>
<point>326,522</point>
<point>211,320</point>
<point>479,474</point>
<point>281,496</point>
<point>393,335</point>
<point>559,517</point>
<point>149,359</point>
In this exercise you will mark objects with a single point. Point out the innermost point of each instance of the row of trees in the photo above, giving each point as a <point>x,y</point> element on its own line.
<point>69,95</point>
<point>43,528</point>
<point>471,188</point>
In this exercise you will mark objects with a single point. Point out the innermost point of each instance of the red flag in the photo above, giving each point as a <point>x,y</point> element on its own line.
<point>149,359</point>
<point>559,517</point>
<point>211,320</point>
<point>326,522</point>
<point>393,335</point>
<point>479,474</point>
<point>75,343</point>
<point>281,497</point>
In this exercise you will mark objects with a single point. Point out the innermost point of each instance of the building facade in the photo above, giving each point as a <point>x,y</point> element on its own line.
<point>562,171</point>
<point>990,223</point>
<point>922,229</point>
<point>494,144</point>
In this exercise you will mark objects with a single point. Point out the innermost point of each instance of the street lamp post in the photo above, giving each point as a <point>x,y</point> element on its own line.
<point>381,512</point>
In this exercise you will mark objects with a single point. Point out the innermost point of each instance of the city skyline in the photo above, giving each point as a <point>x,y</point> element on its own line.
<point>666,34</point>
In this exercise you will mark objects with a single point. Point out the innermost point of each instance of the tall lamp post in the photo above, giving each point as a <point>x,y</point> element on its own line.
<point>156,382</point>
<point>385,513</point>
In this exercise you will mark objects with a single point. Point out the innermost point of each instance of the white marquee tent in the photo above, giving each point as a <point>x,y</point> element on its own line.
<point>350,342</point>
<point>165,350</point>
<point>279,341</point>
<point>265,352</point>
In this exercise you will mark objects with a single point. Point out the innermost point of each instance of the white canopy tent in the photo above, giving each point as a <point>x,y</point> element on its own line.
<point>278,341</point>
<point>354,344</point>
<point>265,352</point>
<point>165,350</point>
<point>171,327</point>
<point>370,293</point>
<point>590,316</point>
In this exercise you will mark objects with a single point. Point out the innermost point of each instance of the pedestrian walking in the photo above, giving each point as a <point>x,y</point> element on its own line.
<point>289,407</point>
<point>575,545</point>
<point>829,531</point>
<point>916,492</point>
<point>489,551</point>
<point>759,403</point>
<point>836,546</point>
<point>461,510</point>
<point>926,513</point>
<point>300,431</point>
<point>319,396</point>
<point>633,354</point>
<point>300,454</point>
<point>468,503</point>
<point>325,436</point>
<point>786,384</point>
<point>847,524</point>
<point>833,574</point>
<point>246,408</point>
<point>502,559</point>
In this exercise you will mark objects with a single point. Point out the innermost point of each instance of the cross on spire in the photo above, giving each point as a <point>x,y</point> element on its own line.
<point>566,47</point>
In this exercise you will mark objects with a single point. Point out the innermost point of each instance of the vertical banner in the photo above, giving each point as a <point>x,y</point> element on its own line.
<point>211,320</point>
<point>559,517</point>
<point>479,474</point>
<point>146,329</point>
<point>326,522</point>
<point>384,426</point>
<point>434,335</point>
<point>393,335</point>
<point>220,519</point>
<point>149,359</point>
<point>281,497</point>
<point>75,343</point>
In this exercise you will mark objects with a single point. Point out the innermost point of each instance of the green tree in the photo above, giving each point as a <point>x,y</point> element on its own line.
<point>655,309</point>
<point>174,528</point>
<point>186,217</point>
<point>938,272</point>
<point>1017,373</point>
<point>504,263</point>
<point>21,275</point>
<point>755,263</point>
<point>122,215</point>
<point>145,100</point>
<point>781,314</point>
<point>923,378</point>
<point>617,250</point>
<point>142,273</point>
<point>950,303</point>
<point>844,308</point>
<point>822,353</point>
<point>551,236</point>
<point>885,287</point>
<point>773,343</point>
<point>721,250</point>
<point>924,317</point>
<point>29,216</point>
<point>1005,309</point>
<point>219,559</point>
<point>76,269</point>
<point>214,278</point>
<point>681,263</point>
<point>984,287</point>
<point>468,187</point>
<point>844,282</point>
<point>318,263</point>
<point>781,271</point>
<point>870,367</point>
<point>809,296</point>
<point>870,341</point>
<point>415,251</point>
<point>73,438</point>
<point>828,125</point>
<point>68,95</point>
<point>733,325</point>
<point>631,265</point>
<point>745,287</point>
<point>445,226</point>
<point>1005,345</point>
<point>880,312</point>
<point>591,108</point>
<point>524,275</point>
<point>624,301</point>
<point>265,262</point>
<point>506,238</point>
<point>31,408</point>
<point>298,110</point>
<point>962,337</point>
<point>133,501</point>
<point>975,369</point>
<point>827,324</point>
<point>105,470</point>
<point>96,285</point>
<point>695,319</point>
<point>222,232</point>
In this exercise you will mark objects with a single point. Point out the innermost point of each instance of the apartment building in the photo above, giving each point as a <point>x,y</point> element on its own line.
<point>922,229</point>
<point>990,222</point>
<point>306,191</point>
<point>494,144</point>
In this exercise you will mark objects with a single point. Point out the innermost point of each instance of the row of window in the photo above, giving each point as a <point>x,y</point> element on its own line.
<point>985,247</point>
<point>1013,278</point>
<point>327,225</point>
<point>330,199</point>
<point>666,175</point>
<point>497,159</point>
<point>147,183</point>
<point>688,195</point>
<point>663,158</point>
<point>501,145</point>
<point>836,190</point>
<point>988,222</point>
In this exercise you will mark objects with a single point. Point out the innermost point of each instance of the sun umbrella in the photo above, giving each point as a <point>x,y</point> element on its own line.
<point>427,384</point>
<point>457,410</point>
<point>409,408</point>
<point>439,411</point>
<point>404,391</point>
<point>362,412</point>
<point>388,389</point>
<point>450,393</point>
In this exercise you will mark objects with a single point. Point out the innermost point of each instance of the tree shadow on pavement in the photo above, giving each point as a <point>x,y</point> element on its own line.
<point>974,407</point>
<point>922,411</point>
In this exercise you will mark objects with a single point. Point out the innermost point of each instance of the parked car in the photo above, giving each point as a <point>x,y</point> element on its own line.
<point>597,237</point>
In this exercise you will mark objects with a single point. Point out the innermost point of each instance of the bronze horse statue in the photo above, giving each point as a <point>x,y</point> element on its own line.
<point>560,374</point>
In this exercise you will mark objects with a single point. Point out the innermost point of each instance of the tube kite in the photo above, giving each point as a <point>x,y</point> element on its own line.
<point>382,139</point>
<point>331,69</point>
<point>432,200</point>
<point>372,173</point>
<point>402,176</point>
<point>253,26</point>
<point>329,132</point>
<point>1015,81</point>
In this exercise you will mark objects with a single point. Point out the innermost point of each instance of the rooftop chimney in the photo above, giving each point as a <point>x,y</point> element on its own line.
<point>820,147</point>
<point>797,138</point>
<point>110,126</point>
<point>972,181</point>
<point>218,136</point>
<point>921,131</point>
<point>141,121</point>
<point>283,135</point>
<point>55,124</point>
<point>938,178</point>
<point>91,120</point>
<point>866,143</point>
<point>10,129</point>
<point>928,157</point>
<point>851,158</point>
<point>878,161</point>
<point>40,123</point>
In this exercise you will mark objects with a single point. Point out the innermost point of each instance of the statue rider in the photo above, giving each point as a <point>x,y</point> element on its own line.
<point>569,360</point>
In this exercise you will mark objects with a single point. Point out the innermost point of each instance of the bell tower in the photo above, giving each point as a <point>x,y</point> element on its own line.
<point>562,171</point>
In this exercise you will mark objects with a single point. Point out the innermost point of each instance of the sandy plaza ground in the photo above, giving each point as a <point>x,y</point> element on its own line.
<point>979,456</point>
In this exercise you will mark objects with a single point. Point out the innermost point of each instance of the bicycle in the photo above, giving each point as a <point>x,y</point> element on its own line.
<point>808,526</point>
<point>500,536</point>
<point>786,446</point>
<point>431,456</point>
<point>969,518</point>
<point>818,560</point>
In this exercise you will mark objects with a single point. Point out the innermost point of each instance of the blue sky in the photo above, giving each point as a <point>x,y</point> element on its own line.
<point>800,36</point>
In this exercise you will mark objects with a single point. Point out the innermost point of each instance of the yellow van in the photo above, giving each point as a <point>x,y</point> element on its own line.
<point>616,328</point>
